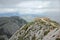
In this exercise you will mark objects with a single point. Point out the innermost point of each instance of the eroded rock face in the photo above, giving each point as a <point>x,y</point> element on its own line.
<point>9,25</point>
<point>39,29</point>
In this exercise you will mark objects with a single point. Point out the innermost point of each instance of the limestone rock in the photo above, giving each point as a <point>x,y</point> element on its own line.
<point>39,29</point>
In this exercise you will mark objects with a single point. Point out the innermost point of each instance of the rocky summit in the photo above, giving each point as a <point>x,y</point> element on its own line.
<point>38,29</point>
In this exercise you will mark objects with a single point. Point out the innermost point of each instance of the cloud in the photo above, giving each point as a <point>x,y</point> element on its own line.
<point>13,3</point>
<point>39,4</point>
<point>37,11</point>
<point>29,6</point>
<point>5,10</point>
<point>34,7</point>
<point>33,4</point>
<point>9,2</point>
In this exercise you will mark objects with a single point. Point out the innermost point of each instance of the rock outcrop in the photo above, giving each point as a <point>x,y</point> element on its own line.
<point>39,29</point>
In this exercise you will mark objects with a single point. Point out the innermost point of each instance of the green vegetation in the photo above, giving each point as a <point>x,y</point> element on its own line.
<point>27,25</point>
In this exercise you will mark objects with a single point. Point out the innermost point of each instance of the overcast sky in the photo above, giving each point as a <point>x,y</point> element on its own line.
<point>29,6</point>
<point>50,8</point>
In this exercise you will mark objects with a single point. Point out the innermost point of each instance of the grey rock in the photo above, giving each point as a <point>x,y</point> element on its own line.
<point>39,29</point>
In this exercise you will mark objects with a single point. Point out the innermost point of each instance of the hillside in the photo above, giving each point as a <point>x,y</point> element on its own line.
<point>9,25</point>
<point>39,29</point>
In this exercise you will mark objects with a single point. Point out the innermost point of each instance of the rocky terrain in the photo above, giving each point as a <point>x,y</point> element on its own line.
<point>38,29</point>
<point>9,25</point>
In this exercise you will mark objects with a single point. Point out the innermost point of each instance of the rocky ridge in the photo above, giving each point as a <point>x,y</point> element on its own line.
<point>39,29</point>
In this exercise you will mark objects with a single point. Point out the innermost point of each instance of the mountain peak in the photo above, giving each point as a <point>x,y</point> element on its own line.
<point>39,29</point>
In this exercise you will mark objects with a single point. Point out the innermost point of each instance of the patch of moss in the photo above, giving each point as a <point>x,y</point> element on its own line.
<point>46,32</point>
<point>57,38</point>
<point>20,38</point>
<point>27,25</point>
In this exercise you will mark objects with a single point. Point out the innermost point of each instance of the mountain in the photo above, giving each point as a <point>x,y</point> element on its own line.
<point>28,17</point>
<point>39,29</point>
<point>9,25</point>
<point>9,14</point>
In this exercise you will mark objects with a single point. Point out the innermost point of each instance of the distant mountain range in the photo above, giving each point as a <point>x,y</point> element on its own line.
<point>30,17</point>
<point>9,14</point>
<point>27,17</point>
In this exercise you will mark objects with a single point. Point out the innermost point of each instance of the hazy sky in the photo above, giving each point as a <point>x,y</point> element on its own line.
<point>29,6</point>
<point>50,8</point>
